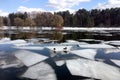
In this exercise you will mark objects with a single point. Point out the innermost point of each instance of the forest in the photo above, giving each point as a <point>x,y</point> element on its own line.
<point>81,18</point>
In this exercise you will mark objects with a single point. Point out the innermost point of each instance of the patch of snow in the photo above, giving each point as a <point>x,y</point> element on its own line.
<point>89,29</point>
<point>72,41</point>
<point>87,39</point>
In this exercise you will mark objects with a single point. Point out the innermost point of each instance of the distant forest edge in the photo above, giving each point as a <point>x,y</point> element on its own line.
<point>81,18</point>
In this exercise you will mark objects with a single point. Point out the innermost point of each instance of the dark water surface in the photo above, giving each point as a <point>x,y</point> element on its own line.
<point>111,35</point>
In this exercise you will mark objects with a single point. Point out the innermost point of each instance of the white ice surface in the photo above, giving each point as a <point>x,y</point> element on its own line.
<point>29,47</point>
<point>19,41</point>
<point>114,42</point>
<point>117,62</point>
<point>86,53</point>
<point>40,47</point>
<point>29,58</point>
<point>9,66</point>
<point>96,46</point>
<point>4,40</point>
<point>60,62</point>
<point>41,71</point>
<point>8,45</point>
<point>118,41</point>
<point>107,51</point>
<point>93,69</point>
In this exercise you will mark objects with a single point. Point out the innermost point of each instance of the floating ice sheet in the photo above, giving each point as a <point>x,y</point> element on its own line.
<point>86,53</point>
<point>115,42</point>
<point>96,46</point>
<point>29,58</point>
<point>41,71</point>
<point>93,69</point>
<point>117,62</point>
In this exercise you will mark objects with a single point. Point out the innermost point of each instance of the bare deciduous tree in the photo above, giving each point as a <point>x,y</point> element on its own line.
<point>57,21</point>
<point>40,19</point>
<point>29,22</point>
<point>1,24</point>
<point>18,22</point>
<point>1,21</point>
<point>48,19</point>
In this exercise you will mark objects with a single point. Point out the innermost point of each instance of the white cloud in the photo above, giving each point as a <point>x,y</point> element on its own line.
<point>3,13</point>
<point>64,4</point>
<point>25,9</point>
<point>109,4</point>
<point>70,10</point>
<point>24,0</point>
<point>114,1</point>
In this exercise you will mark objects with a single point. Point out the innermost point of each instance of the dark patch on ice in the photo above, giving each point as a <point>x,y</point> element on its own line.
<point>11,73</point>
<point>106,57</point>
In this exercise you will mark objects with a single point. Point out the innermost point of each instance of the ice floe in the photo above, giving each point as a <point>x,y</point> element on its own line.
<point>94,61</point>
<point>93,69</point>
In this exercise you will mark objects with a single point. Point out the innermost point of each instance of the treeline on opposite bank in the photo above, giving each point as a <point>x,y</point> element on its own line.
<point>81,18</point>
<point>92,18</point>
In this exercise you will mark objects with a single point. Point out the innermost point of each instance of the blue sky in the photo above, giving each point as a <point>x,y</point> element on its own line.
<point>9,6</point>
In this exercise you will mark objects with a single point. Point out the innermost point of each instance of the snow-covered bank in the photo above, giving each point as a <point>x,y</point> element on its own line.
<point>90,29</point>
<point>64,28</point>
<point>4,40</point>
